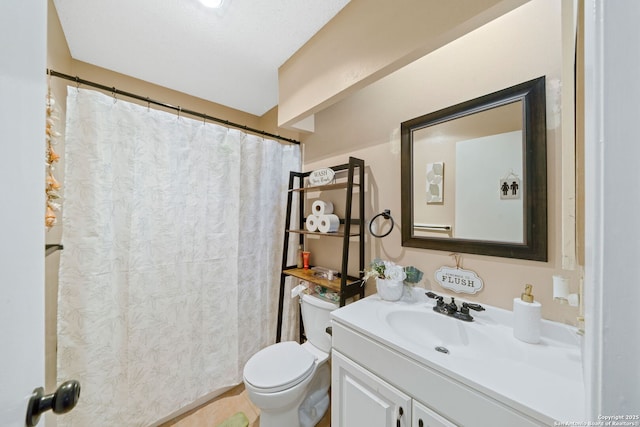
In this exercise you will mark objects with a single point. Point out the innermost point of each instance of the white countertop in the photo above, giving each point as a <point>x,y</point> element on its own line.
<point>545,378</point>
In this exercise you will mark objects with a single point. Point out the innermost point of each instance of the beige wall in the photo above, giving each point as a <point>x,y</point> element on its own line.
<point>369,39</point>
<point>522,45</point>
<point>58,58</point>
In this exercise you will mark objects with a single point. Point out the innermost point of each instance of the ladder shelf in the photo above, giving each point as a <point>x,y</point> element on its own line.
<point>351,232</point>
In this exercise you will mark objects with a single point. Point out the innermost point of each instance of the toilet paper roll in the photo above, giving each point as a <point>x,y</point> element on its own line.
<point>560,287</point>
<point>328,223</point>
<point>320,207</point>
<point>312,223</point>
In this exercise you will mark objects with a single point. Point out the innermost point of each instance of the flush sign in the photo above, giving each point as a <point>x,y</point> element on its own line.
<point>459,280</point>
<point>321,176</point>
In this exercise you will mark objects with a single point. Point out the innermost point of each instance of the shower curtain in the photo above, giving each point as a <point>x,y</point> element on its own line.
<point>172,249</point>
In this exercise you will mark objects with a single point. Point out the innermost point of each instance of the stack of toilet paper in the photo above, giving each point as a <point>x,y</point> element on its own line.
<point>322,218</point>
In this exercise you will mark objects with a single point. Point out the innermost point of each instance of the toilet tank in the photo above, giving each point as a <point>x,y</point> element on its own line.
<point>315,318</point>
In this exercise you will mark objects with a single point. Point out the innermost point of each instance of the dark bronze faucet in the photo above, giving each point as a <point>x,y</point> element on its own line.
<point>451,309</point>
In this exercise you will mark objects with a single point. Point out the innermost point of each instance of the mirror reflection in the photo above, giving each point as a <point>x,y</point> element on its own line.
<point>474,175</point>
<point>461,168</point>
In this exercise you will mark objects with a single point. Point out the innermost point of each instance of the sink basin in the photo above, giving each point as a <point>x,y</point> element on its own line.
<point>433,331</point>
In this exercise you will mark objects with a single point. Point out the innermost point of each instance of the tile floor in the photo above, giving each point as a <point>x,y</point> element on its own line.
<point>215,412</point>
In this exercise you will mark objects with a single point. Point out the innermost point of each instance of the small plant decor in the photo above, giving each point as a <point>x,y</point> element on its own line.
<point>391,271</point>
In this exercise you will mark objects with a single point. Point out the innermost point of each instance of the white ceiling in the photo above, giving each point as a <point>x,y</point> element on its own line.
<point>229,56</point>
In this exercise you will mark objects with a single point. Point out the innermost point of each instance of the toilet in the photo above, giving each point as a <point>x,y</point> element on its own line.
<point>290,382</point>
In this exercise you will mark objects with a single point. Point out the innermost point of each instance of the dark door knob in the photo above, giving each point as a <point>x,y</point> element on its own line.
<point>63,400</point>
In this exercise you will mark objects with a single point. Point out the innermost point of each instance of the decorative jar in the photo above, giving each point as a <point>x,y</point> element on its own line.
<point>389,289</point>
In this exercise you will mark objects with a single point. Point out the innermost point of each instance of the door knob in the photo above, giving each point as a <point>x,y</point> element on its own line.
<point>63,400</point>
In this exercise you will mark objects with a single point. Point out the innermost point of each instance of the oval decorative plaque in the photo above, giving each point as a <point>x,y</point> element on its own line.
<point>321,176</point>
<point>459,280</point>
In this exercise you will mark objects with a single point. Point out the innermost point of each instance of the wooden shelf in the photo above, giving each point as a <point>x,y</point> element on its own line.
<point>324,187</point>
<point>309,276</point>
<point>335,234</point>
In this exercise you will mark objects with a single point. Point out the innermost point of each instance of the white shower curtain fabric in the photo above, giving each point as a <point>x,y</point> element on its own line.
<point>168,283</point>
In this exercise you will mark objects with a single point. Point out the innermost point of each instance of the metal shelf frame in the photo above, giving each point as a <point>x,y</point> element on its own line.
<point>347,286</point>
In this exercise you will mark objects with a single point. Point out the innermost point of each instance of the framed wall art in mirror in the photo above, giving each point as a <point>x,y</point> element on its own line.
<point>474,176</point>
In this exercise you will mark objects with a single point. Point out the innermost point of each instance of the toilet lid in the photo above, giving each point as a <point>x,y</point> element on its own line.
<point>279,366</point>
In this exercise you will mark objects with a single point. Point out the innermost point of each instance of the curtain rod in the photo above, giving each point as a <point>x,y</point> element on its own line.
<point>180,110</point>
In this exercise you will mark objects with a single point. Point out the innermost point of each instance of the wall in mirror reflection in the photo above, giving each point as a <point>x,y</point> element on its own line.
<point>476,154</point>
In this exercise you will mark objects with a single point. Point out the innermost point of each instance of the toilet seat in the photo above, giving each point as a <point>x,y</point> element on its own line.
<point>279,367</point>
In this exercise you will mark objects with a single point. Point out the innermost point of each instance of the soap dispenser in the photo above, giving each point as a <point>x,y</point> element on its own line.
<point>527,317</point>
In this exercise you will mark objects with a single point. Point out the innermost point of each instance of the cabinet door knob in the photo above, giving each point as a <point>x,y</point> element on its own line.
<point>420,423</point>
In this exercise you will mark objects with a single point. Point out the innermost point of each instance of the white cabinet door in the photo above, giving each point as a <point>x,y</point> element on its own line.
<point>360,399</point>
<point>425,417</point>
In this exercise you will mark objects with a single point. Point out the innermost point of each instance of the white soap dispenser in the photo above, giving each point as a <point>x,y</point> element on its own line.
<point>526,317</point>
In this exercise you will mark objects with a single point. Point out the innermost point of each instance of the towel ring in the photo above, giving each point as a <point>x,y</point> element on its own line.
<point>386,214</point>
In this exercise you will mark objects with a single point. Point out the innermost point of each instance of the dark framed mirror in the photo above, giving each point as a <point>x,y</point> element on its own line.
<point>474,176</point>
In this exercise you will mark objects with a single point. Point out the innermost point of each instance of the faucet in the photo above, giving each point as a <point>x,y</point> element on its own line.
<point>451,309</point>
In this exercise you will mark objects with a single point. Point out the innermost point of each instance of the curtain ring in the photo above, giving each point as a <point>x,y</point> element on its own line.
<point>386,214</point>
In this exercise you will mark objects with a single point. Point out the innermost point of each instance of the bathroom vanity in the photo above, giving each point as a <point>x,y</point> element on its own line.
<point>402,364</point>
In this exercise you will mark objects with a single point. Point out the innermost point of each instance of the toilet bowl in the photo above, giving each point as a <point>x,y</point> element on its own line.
<point>290,382</point>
